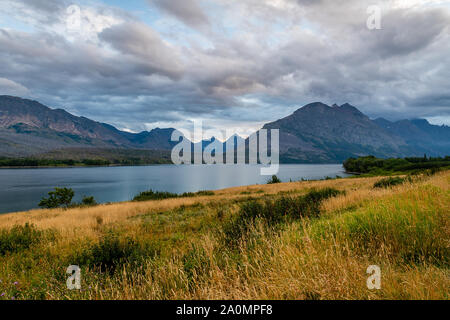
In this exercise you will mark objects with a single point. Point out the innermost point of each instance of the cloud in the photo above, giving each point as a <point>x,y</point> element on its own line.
<point>48,6</point>
<point>142,44</point>
<point>406,32</point>
<point>8,87</point>
<point>252,61</point>
<point>41,13</point>
<point>187,11</point>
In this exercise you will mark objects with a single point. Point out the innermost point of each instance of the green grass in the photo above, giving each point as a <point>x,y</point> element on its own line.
<point>309,244</point>
<point>399,227</point>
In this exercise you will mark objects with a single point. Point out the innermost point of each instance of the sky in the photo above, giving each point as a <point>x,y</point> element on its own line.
<point>235,64</point>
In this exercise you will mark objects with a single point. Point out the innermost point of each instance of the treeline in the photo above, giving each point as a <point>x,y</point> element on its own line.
<point>372,165</point>
<point>30,162</point>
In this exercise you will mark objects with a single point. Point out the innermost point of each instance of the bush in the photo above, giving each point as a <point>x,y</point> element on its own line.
<point>111,252</point>
<point>389,182</point>
<point>59,197</point>
<point>88,201</point>
<point>19,238</point>
<point>322,194</point>
<point>274,212</point>
<point>157,195</point>
<point>274,180</point>
<point>154,195</point>
<point>199,194</point>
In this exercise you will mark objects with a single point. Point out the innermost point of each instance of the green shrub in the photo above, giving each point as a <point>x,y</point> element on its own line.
<point>196,194</point>
<point>322,194</point>
<point>389,182</point>
<point>57,198</point>
<point>112,252</point>
<point>157,195</point>
<point>88,201</point>
<point>274,212</point>
<point>19,238</point>
<point>203,193</point>
<point>274,180</point>
<point>154,195</point>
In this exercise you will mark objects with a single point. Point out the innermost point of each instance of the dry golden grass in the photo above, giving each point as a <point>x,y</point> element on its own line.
<point>292,262</point>
<point>85,218</point>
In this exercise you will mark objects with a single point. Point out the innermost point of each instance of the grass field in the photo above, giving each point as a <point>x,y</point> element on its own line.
<point>316,245</point>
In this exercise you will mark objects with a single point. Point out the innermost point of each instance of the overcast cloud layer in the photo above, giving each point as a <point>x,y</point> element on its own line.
<point>235,63</point>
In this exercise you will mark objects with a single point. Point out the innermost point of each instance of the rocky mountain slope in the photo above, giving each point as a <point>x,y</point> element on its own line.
<point>315,133</point>
<point>28,127</point>
<point>420,135</point>
<point>321,133</point>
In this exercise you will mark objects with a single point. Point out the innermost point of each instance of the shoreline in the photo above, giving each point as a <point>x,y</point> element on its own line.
<point>83,166</point>
<point>150,164</point>
<point>221,190</point>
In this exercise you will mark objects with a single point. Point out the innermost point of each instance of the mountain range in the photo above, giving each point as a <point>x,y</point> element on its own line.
<point>315,133</point>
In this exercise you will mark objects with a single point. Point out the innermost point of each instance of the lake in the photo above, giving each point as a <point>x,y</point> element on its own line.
<point>22,189</point>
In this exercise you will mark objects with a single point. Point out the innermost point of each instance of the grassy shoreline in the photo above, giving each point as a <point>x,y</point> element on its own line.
<point>177,248</point>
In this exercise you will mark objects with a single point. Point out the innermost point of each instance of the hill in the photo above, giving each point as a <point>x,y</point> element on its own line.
<point>321,133</point>
<point>315,133</point>
<point>29,128</point>
<point>420,135</point>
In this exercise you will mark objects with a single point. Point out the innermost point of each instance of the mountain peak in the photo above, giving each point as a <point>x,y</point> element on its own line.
<point>321,105</point>
<point>420,121</point>
<point>315,105</point>
<point>348,107</point>
<point>323,108</point>
<point>313,108</point>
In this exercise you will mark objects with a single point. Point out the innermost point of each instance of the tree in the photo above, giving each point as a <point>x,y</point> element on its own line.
<point>274,180</point>
<point>59,197</point>
<point>88,201</point>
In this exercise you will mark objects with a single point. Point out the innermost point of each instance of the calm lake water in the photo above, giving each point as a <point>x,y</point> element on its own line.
<point>22,189</point>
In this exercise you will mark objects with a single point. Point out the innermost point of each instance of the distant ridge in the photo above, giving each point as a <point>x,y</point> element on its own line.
<point>315,133</point>
<point>28,127</point>
<point>420,135</point>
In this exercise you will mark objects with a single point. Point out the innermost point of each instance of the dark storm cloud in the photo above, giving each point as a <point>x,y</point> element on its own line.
<point>253,69</point>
